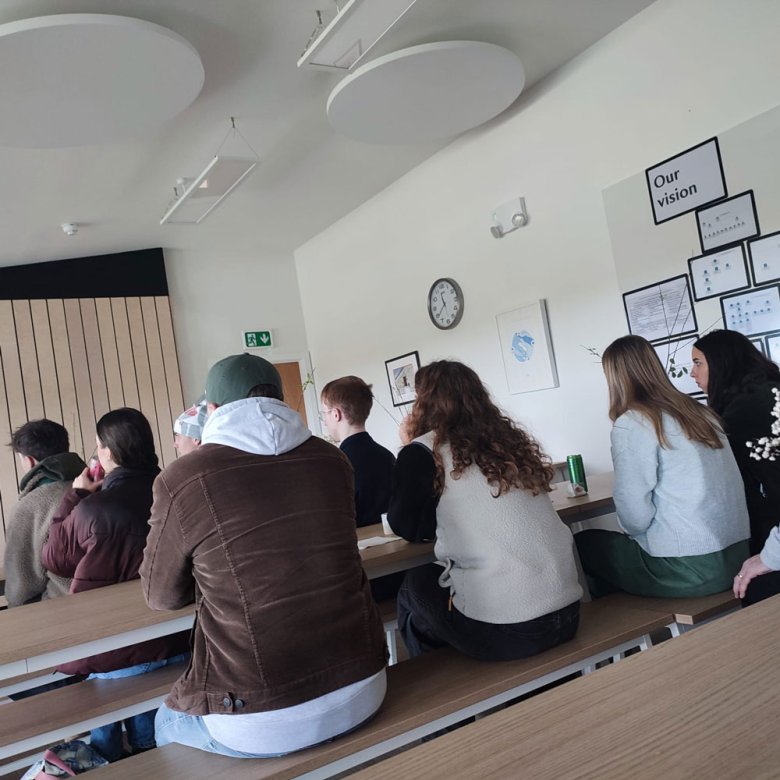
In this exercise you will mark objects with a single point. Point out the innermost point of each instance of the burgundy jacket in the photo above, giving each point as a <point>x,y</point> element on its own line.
<point>98,539</point>
<point>284,613</point>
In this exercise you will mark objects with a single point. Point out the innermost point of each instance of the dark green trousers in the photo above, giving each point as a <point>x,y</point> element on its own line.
<point>613,562</point>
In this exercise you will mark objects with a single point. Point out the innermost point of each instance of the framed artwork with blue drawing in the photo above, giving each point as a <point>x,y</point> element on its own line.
<point>400,375</point>
<point>526,348</point>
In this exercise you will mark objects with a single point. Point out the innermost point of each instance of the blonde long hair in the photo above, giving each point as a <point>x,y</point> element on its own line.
<point>638,382</point>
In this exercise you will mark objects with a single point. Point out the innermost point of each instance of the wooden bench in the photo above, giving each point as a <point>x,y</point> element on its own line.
<point>424,695</point>
<point>56,715</point>
<point>696,707</point>
<point>687,612</point>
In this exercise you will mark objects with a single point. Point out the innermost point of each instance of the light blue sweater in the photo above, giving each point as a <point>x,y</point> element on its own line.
<point>687,499</point>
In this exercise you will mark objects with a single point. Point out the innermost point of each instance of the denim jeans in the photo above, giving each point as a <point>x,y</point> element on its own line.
<point>173,726</point>
<point>107,740</point>
<point>426,622</point>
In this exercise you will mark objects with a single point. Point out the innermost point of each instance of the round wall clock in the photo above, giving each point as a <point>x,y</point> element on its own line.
<point>445,303</point>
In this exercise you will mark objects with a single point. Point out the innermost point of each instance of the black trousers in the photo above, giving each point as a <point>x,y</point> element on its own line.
<point>427,622</point>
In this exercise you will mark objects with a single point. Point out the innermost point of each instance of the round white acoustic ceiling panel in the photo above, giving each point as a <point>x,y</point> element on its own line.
<point>79,79</point>
<point>426,93</point>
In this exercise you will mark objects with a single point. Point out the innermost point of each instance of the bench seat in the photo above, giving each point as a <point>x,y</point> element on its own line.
<point>424,695</point>
<point>687,612</point>
<point>56,715</point>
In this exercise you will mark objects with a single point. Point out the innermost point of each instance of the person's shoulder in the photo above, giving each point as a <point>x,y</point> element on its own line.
<point>45,495</point>
<point>631,419</point>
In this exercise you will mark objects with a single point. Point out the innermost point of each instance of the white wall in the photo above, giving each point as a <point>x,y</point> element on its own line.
<point>214,297</point>
<point>680,72</point>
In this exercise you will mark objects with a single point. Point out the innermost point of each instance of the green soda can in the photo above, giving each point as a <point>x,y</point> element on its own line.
<point>579,485</point>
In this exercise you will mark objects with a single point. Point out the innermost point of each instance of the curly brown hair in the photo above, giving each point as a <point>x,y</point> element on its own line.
<point>453,403</point>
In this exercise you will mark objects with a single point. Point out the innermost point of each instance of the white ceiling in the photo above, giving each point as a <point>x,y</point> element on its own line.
<point>309,176</point>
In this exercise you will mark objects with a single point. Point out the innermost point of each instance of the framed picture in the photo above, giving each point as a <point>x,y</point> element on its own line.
<point>526,348</point>
<point>687,181</point>
<point>720,272</point>
<point>662,310</point>
<point>675,356</point>
<point>753,313</point>
<point>400,374</point>
<point>765,258</point>
<point>727,222</point>
<point>773,347</point>
<point>759,344</point>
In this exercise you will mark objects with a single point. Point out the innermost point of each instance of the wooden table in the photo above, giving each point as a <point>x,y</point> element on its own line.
<point>42,635</point>
<point>701,705</point>
<point>597,502</point>
<point>39,636</point>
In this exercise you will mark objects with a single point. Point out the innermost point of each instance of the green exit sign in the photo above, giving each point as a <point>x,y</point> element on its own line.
<point>257,338</point>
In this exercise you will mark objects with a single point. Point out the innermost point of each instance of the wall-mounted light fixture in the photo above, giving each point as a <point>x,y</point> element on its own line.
<point>508,217</point>
<point>356,28</point>
<point>194,199</point>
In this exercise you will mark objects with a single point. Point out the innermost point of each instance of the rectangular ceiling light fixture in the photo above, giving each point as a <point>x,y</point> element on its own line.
<point>204,193</point>
<point>351,35</point>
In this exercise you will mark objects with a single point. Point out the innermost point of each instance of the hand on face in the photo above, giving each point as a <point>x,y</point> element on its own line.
<point>84,482</point>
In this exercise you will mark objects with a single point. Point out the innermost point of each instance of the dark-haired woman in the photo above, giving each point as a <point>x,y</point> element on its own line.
<point>677,488</point>
<point>504,584</point>
<point>739,382</point>
<point>97,538</point>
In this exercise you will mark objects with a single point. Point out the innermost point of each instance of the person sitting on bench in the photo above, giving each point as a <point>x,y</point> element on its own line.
<point>504,584</point>
<point>678,491</point>
<point>257,525</point>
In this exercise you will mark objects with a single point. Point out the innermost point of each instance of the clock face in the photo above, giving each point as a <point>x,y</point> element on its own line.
<point>445,303</point>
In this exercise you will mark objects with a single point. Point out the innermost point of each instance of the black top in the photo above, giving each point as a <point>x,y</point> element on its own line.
<point>412,512</point>
<point>373,467</point>
<point>748,418</point>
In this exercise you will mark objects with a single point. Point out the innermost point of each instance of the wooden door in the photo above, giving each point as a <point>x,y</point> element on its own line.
<point>292,385</point>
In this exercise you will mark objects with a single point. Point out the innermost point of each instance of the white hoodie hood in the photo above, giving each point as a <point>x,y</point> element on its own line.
<point>262,426</point>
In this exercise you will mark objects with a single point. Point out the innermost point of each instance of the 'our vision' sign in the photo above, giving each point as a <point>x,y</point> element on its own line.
<point>686,181</point>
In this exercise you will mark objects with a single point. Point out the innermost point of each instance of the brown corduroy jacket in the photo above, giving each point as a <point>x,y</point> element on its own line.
<point>266,547</point>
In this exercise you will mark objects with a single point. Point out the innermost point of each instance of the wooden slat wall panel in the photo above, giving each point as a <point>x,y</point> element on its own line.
<point>12,372</point>
<point>50,386</point>
<point>78,356</point>
<point>97,374</point>
<point>28,359</point>
<point>176,402</point>
<point>7,461</point>
<point>71,418</point>
<point>125,352</point>
<point>166,452</point>
<point>116,395</point>
<point>73,360</point>
<point>142,370</point>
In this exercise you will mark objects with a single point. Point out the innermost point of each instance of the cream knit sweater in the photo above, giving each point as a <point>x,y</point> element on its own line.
<point>506,560</point>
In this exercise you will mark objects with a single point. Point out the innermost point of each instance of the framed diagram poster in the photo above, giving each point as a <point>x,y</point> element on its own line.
<point>661,310</point>
<point>765,258</point>
<point>772,350</point>
<point>720,272</point>
<point>676,359</point>
<point>526,347</point>
<point>758,343</point>
<point>727,222</point>
<point>752,313</point>
<point>401,371</point>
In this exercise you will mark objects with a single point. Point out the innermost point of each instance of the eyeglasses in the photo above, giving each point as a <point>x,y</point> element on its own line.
<point>323,413</point>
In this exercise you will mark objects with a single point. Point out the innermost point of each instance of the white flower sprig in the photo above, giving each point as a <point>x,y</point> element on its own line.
<point>768,447</point>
